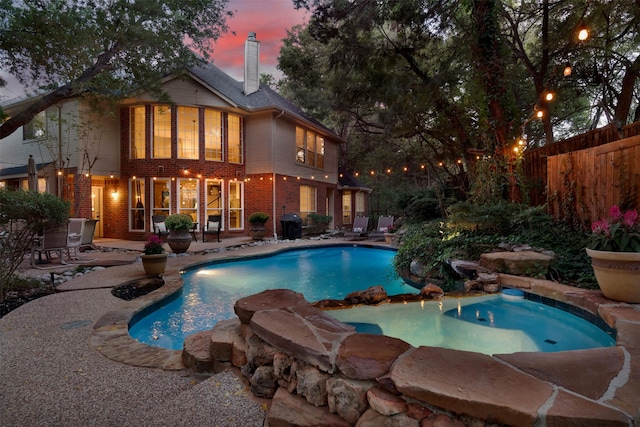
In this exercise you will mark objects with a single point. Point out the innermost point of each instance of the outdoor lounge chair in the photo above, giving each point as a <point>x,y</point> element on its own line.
<point>213,225</point>
<point>384,222</point>
<point>359,230</point>
<point>52,240</point>
<point>74,236</point>
<point>88,232</point>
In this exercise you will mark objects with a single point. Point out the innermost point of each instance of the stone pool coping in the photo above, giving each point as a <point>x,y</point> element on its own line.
<point>605,382</point>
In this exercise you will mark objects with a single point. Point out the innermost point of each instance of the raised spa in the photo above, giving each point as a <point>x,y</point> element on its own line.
<point>489,324</point>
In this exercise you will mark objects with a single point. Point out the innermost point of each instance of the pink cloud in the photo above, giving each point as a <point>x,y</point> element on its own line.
<point>269,19</point>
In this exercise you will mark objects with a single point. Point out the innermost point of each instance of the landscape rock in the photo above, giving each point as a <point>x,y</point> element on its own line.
<point>266,300</point>
<point>367,356</point>
<point>431,290</point>
<point>348,398</point>
<point>309,333</point>
<point>312,384</point>
<point>519,263</point>
<point>385,403</point>
<point>196,352</point>
<point>263,382</point>
<point>289,410</point>
<point>372,295</point>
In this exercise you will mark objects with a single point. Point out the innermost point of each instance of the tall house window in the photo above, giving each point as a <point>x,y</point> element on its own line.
<point>161,199</point>
<point>188,132</point>
<point>235,138</point>
<point>346,208</point>
<point>137,131</point>
<point>236,205</point>
<point>161,132</point>
<point>188,197</point>
<point>360,204</point>
<point>36,128</point>
<point>307,202</point>
<point>212,135</point>
<point>320,152</point>
<point>300,151</point>
<point>213,197</point>
<point>309,148</point>
<point>137,213</point>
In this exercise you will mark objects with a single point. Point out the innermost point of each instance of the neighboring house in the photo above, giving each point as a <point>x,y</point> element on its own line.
<point>221,148</point>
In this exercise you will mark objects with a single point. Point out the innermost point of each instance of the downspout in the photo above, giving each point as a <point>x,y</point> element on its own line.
<point>273,168</point>
<point>59,176</point>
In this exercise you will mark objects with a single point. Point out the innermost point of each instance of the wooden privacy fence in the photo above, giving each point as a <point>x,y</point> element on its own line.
<point>535,160</point>
<point>584,184</point>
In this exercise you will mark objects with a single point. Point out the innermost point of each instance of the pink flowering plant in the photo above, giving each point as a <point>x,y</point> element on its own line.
<point>620,232</point>
<point>153,246</point>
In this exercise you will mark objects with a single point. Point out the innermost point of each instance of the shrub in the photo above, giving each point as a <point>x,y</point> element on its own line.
<point>318,223</point>
<point>24,214</point>
<point>178,222</point>
<point>472,230</point>
<point>258,217</point>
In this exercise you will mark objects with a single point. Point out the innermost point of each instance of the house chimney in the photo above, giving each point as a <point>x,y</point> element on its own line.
<point>251,63</point>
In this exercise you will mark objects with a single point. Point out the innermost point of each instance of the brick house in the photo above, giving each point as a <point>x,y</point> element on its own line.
<point>221,147</point>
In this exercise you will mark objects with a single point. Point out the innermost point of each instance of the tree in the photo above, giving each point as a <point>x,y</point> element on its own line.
<point>24,214</point>
<point>103,48</point>
<point>442,82</point>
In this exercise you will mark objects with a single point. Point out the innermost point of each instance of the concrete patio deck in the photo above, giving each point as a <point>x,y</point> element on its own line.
<point>53,369</point>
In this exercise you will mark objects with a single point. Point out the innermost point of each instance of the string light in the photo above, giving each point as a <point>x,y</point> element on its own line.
<point>567,70</point>
<point>583,34</point>
<point>549,96</point>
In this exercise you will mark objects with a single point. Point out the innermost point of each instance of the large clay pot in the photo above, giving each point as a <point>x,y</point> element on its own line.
<point>618,274</point>
<point>154,265</point>
<point>179,240</point>
<point>258,231</point>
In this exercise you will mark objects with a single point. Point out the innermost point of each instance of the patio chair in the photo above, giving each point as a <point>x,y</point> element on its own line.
<point>89,230</point>
<point>384,222</point>
<point>74,236</point>
<point>52,240</point>
<point>159,229</point>
<point>213,225</point>
<point>359,230</point>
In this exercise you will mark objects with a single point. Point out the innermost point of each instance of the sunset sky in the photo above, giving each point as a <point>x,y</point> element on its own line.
<point>269,19</point>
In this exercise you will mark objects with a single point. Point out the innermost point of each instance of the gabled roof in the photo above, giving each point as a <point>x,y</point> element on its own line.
<point>265,98</point>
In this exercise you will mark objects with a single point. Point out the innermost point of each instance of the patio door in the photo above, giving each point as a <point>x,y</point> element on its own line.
<point>96,208</point>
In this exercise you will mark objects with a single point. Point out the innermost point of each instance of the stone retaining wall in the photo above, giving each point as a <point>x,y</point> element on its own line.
<point>319,371</point>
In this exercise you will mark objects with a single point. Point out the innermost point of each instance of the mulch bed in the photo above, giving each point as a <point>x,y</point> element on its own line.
<point>137,288</point>
<point>15,299</point>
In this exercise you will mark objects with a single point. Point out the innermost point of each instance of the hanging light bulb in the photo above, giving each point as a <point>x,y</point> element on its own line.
<point>583,34</point>
<point>567,70</point>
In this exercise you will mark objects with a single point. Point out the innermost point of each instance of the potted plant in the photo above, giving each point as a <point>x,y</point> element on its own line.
<point>179,226</point>
<point>258,221</point>
<point>154,259</point>
<point>390,234</point>
<point>614,248</point>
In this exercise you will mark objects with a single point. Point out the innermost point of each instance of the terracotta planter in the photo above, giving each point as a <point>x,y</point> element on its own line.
<point>154,265</point>
<point>618,274</point>
<point>388,237</point>
<point>179,240</point>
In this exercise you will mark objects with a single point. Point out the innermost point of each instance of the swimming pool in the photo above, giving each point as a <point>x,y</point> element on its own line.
<point>209,293</point>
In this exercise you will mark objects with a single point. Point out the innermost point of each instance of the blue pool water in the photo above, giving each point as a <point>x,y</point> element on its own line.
<point>209,293</point>
<point>487,325</point>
